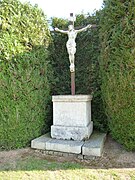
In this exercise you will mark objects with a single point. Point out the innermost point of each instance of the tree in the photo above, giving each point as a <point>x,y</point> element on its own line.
<point>118,68</point>
<point>25,73</point>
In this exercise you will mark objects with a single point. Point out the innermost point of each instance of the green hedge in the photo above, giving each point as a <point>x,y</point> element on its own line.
<point>86,61</point>
<point>118,68</point>
<point>24,74</point>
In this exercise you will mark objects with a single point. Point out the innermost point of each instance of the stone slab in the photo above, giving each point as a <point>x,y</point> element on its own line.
<point>94,146</point>
<point>72,132</point>
<point>40,143</point>
<point>90,148</point>
<point>67,146</point>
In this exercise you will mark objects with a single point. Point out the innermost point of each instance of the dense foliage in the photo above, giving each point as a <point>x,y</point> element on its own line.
<point>118,68</point>
<point>86,61</point>
<point>24,73</point>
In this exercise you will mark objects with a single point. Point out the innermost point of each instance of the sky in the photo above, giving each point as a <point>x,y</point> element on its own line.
<point>62,8</point>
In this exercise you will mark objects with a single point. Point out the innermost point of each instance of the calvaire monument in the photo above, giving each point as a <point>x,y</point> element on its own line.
<point>72,127</point>
<point>71,47</point>
<point>72,113</point>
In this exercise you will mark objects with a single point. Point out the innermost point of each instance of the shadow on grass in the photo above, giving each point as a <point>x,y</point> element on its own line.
<point>35,168</point>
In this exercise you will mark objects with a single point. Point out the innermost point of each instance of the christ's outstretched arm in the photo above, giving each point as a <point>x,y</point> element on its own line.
<point>62,31</point>
<point>83,29</point>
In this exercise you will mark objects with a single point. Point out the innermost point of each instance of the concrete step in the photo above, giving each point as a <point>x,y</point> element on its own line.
<point>67,146</point>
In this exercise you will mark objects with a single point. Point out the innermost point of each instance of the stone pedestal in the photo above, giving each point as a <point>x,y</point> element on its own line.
<point>72,117</point>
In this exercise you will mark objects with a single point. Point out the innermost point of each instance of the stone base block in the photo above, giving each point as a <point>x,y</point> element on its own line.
<point>94,146</point>
<point>71,110</point>
<point>64,146</point>
<point>71,132</point>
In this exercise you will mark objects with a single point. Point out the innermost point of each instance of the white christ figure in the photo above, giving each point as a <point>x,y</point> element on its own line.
<point>71,44</point>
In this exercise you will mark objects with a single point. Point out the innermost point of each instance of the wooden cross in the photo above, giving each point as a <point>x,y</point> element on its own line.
<point>71,47</point>
<point>72,20</point>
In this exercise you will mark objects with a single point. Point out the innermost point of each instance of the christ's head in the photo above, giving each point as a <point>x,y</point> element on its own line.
<point>70,27</point>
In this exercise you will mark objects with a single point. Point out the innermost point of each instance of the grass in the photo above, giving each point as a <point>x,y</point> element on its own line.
<point>40,169</point>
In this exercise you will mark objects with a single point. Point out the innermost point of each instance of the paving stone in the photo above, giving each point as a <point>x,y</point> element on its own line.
<point>65,154</point>
<point>94,146</point>
<point>40,143</point>
<point>50,152</point>
<point>90,157</point>
<point>45,152</point>
<point>80,156</point>
<point>72,155</point>
<point>60,154</point>
<point>68,146</point>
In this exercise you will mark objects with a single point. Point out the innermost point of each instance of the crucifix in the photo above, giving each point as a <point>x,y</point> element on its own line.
<point>71,47</point>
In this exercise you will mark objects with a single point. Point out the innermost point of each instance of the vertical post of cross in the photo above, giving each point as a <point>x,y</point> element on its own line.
<point>71,21</point>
